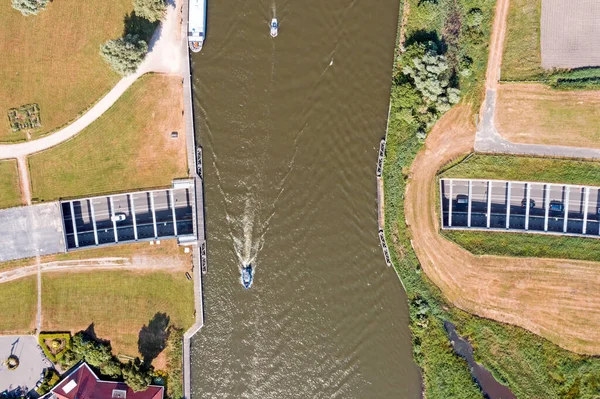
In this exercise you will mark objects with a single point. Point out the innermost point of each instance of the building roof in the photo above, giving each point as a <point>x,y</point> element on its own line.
<point>82,383</point>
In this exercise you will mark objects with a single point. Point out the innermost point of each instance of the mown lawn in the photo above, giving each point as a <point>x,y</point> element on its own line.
<point>10,191</point>
<point>19,302</point>
<point>118,303</point>
<point>505,167</point>
<point>129,147</point>
<point>53,59</point>
<point>522,59</point>
<point>526,245</point>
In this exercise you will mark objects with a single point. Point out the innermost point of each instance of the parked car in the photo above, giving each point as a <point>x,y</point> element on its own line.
<point>531,203</point>
<point>462,201</point>
<point>556,207</point>
<point>118,217</point>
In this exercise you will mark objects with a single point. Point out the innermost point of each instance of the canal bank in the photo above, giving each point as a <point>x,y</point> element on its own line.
<point>290,129</point>
<point>195,169</point>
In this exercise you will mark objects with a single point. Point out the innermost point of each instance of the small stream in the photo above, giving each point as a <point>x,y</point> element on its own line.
<point>491,388</point>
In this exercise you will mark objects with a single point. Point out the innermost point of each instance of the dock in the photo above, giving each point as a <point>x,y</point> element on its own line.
<point>194,158</point>
<point>381,195</point>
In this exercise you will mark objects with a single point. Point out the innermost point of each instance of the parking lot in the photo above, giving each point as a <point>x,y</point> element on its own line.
<point>119,218</point>
<point>514,205</point>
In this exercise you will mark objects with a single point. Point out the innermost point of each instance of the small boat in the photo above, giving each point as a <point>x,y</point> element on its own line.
<point>247,274</point>
<point>274,27</point>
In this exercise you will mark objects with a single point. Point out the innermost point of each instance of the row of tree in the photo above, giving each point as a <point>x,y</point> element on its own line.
<point>136,374</point>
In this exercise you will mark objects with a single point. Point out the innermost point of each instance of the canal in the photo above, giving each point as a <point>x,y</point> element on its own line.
<point>290,128</point>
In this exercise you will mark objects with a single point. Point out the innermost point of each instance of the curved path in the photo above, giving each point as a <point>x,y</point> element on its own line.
<point>555,298</point>
<point>488,139</point>
<point>166,56</point>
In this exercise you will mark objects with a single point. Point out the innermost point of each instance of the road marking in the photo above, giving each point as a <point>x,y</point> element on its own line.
<point>565,222</point>
<point>173,212</point>
<point>450,205</point>
<point>135,233</point>
<point>528,199</point>
<point>153,214</point>
<point>508,206</point>
<point>585,208</point>
<point>469,203</point>
<point>74,226</point>
<point>547,206</point>
<point>93,221</point>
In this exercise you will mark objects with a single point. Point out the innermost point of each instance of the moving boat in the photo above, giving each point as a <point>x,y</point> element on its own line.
<point>247,275</point>
<point>196,24</point>
<point>274,27</point>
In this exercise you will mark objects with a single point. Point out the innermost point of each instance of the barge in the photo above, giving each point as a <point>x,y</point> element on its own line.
<point>196,24</point>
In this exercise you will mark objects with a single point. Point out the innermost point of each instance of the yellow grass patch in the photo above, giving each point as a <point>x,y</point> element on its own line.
<point>117,303</point>
<point>19,301</point>
<point>53,59</point>
<point>10,192</point>
<point>536,114</point>
<point>129,147</point>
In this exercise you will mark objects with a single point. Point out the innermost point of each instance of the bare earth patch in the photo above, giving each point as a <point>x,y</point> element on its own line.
<point>536,114</point>
<point>557,299</point>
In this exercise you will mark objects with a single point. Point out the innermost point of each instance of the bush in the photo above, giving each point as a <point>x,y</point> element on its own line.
<point>137,375</point>
<point>174,363</point>
<point>125,54</point>
<point>57,338</point>
<point>51,377</point>
<point>152,10</point>
<point>29,7</point>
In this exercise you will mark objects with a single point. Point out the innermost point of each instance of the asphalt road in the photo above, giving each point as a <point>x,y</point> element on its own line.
<point>103,208</point>
<point>540,194</point>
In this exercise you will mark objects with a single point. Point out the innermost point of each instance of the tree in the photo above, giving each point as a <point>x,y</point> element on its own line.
<point>430,74</point>
<point>136,375</point>
<point>152,10</point>
<point>29,7</point>
<point>125,54</point>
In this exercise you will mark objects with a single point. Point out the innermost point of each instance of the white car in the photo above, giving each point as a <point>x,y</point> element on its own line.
<point>119,217</point>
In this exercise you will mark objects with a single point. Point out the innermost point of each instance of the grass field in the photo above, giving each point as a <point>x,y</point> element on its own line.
<point>19,301</point>
<point>10,192</point>
<point>522,59</point>
<point>117,303</point>
<point>536,114</point>
<point>526,169</point>
<point>525,245</point>
<point>53,59</point>
<point>128,147</point>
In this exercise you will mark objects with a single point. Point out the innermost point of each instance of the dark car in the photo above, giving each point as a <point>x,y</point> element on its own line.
<point>556,207</point>
<point>462,201</point>
<point>531,203</point>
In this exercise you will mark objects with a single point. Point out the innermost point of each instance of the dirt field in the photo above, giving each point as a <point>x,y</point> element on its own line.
<point>118,302</point>
<point>535,114</point>
<point>53,59</point>
<point>557,299</point>
<point>127,148</point>
<point>570,33</point>
<point>10,193</point>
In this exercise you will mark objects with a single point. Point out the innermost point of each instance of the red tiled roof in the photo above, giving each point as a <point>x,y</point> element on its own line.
<point>85,384</point>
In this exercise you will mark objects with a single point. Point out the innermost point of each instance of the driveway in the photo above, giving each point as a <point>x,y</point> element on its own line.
<point>32,363</point>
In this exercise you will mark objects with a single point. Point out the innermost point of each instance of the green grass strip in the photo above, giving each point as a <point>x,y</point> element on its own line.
<point>526,245</point>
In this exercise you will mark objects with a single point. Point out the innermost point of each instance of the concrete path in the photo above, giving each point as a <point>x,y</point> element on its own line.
<point>164,56</point>
<point>488,140</point>
<point>84,265</point>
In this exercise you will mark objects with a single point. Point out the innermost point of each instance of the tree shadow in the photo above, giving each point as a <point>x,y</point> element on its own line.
<point>153,338</point>
<point>425,37</point>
